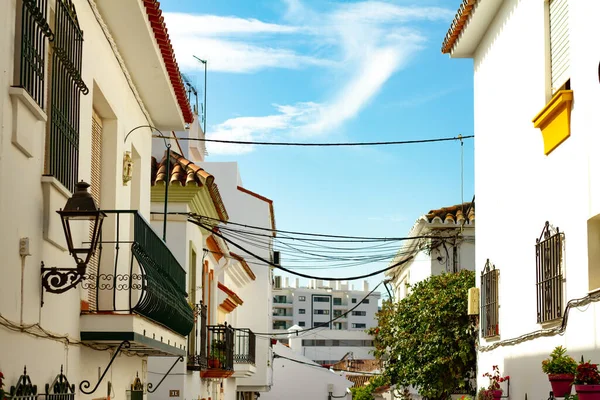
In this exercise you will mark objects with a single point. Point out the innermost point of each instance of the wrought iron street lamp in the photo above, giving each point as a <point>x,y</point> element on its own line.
<point>81,209</point>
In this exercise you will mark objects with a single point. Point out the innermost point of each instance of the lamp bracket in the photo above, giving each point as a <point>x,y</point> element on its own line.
<point>59,280</point>
<point>151,388</point>
<point>86,384</point>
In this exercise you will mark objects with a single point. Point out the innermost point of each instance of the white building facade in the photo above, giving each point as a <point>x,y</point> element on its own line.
<point>77,77</point>
<point>441,241</point>
<point>315,306</point>
<point>536,95</point>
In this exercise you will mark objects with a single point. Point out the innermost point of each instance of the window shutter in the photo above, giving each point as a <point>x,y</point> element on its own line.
<point>96,179</point>
<point>559,43</point>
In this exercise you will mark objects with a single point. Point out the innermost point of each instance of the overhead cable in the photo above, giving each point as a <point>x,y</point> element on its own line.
<point>301,144</point>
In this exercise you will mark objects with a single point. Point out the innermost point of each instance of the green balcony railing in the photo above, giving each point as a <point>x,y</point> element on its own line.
<point>146,280</point>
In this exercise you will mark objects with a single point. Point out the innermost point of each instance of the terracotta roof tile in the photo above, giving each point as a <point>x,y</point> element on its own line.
<point>157,22</point>
<point>457,214</point>
<point>358,380</point>
<point>461,19</point>
<point>357,365</point>
<point>185,173</point>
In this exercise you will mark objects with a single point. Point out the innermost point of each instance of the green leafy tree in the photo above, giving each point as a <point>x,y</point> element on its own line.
<point>427,339</point>
<point>366,392</point>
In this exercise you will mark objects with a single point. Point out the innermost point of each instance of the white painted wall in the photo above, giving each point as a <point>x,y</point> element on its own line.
<point>26,204</point>
<point>518,188</point>
<point>295,380</point>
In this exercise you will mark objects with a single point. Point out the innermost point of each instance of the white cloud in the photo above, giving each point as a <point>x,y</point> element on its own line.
<point>365,43</point>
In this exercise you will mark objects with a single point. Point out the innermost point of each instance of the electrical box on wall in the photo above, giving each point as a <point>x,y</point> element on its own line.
<point>473,302</point>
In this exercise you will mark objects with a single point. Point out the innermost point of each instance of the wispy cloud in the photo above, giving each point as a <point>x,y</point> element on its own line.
<point>365,43</point>
<point>420,99</point>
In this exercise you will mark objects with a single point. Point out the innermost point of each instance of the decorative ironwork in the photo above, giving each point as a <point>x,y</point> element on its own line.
<point>59,280</point>
<point>197,360</point>
<point>245,347</point>
<point>489,300</point>
<point>549,277</point>
<point>62,154</point>
<point>117,282</point>
<point>150,386</point>
<point>86,384</point>
<point>220,345</point>
<point>34,31</point>
<point>25,390</point>
<point>60,388</point>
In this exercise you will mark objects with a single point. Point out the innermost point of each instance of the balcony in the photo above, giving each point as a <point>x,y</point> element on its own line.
<point>244,356</point>
<point>197,360</point>
<point>135,290</point>
<point>220,351</point>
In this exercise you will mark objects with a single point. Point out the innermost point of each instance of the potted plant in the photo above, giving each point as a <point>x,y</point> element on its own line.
<point>587,381</point>
<point>217,354</point>
<point>2,392</point>
<point>494,390</point>
<point>560,369</point>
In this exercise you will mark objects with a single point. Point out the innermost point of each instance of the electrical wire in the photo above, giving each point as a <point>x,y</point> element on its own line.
<point>294,272</point>
<point>275,355</point>
<point>300,144</point>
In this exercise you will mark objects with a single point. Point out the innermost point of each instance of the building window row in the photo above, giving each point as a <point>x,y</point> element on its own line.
<point>321,299</point>
<point>359,326</point>
<point>359,313</point>
<point>321,312</point>
<point>336,343</point>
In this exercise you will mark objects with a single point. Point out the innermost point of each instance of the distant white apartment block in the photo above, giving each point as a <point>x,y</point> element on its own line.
<point>301,308</point>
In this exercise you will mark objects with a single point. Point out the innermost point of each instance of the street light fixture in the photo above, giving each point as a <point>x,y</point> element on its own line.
<point>205,62</point>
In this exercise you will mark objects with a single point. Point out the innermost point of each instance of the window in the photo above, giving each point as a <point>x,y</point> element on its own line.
<point>279,325</point>
<point>321,324</point>
<point>353,301</point>
<point>62,151</point>
<point>338,326</point>
<point>321,312</point>
<point>302,311</point>
<point>280,299</point>
<point>560,53</point>
<point>359,313</point>
<point>549,282</point>
<point>337,301</point>
<point>337,313</point>
<point>34,31</point>
<point>489,300</point>
<point>301,298</point>
<point>321,299</point>
<point>365,301</point>
<point>358,326</point>
<point>301,323</point>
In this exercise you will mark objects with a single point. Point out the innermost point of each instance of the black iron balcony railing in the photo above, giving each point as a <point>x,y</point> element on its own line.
<point>137,273</point>
<point>245,347</point>
<point>220,347</point>
<point>197,360</point>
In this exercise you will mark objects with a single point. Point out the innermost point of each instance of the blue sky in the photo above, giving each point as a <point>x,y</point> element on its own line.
<point>328,71</point>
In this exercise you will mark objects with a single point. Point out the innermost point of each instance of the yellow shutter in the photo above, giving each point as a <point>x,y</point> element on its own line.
<point>560,51</point>
<point>95,185</point>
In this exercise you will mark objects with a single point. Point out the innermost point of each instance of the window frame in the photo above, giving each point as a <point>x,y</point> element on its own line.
<point>549,274</point>
<point>489,284</point>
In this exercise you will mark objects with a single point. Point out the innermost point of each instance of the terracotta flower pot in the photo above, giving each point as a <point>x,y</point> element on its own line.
<point>561,384</point>
<point>588,392</point>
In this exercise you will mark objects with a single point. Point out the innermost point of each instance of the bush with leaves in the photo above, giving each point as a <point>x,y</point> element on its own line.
<point>366,392</point>
<point>559,362</point>
<point>427,338</point>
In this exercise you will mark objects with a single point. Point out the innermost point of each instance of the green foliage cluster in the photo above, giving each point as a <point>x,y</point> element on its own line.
<point>366,392</point>
<point>427,338</point>
<point>559,362</point>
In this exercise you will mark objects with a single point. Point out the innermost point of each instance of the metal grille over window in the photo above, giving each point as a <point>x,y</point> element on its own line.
<point>489,300</point>
<point>560,52</point>
<point>34,31</point>
<point>549,278</point>
<point>63,141</point>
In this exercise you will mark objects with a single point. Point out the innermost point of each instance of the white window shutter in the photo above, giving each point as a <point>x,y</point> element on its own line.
<point>560,51</point>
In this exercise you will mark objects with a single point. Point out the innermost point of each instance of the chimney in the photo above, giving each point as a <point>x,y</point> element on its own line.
<point>365,286</point>
<point>287,282</point>
<point>297,283</point>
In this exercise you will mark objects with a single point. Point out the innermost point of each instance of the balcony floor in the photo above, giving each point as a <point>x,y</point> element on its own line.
<point>145,336</point>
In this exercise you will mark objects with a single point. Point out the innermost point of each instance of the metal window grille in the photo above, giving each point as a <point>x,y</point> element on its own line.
<point>245,347</point>
<point>489,300</point>
<point>59,389</point>
<point>63,141</point>
<point>220,345</point>
<point>549,277</point>
<point>34,31</point>
<point>197,360</point>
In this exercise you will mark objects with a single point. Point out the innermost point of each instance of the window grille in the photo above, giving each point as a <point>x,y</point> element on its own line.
<point>489,300</point>
<point>549,277</point>
<point>62,153</point>
<point>34,31</point>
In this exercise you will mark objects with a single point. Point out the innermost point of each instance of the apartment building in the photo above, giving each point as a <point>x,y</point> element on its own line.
<point>296,309</point>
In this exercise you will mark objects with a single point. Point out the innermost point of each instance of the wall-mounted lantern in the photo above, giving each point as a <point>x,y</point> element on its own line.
<point>127,167</point>
<point>81,209</point>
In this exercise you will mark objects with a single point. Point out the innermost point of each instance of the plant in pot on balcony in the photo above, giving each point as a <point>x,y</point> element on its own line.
<point>587,381</point>
<point>2,392</point>
<point>494,391</point>
<point>561,370</point>
<point>217,354</point>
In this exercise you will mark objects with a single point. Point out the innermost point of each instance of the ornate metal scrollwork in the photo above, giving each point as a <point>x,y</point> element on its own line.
<point>86,384</point>
<point>60,386</point>
<point>59,280</point>
<point>113,282</point>
<point>150,386</point>
<point>24,387</point>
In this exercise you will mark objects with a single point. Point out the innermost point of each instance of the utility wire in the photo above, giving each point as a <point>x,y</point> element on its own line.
<point>193,221</point>
<point>445,139</point>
